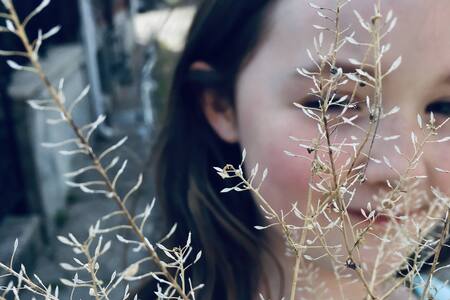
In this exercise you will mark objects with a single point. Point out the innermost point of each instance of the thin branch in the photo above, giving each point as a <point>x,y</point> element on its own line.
<point>56,96</point>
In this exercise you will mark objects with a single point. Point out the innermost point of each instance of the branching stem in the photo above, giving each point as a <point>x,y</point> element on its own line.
<point>55,95</point>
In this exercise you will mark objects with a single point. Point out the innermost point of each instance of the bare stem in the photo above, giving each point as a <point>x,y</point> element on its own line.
<point>92,271</point>
<point>20,31</point>
<point>34,287</point>
<point>437,252</point>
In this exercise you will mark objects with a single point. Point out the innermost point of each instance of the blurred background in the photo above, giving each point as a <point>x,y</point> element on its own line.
<point>125,50</point>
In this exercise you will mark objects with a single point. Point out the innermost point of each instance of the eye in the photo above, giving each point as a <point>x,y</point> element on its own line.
<point>313,102</point>
<point>338,103</point>
<point>441,107</point>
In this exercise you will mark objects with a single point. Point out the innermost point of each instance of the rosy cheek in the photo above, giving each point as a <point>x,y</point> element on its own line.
<point>288,177</point>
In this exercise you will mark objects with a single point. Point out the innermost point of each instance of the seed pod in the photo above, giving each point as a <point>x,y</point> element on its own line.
<point>349,263</point>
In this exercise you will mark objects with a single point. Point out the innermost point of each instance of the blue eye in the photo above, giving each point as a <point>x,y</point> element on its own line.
<point>441,107</point>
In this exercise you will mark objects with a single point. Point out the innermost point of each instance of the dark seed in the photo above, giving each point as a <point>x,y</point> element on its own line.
<point>350,264</point>
<point>362,178</point>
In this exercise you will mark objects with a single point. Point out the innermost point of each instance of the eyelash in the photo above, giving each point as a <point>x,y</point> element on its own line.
<point>441,107</point>
<point>313,102</point>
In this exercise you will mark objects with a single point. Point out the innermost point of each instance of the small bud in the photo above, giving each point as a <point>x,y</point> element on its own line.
<point>374,19</point>
<point>387,204</point>
<point>349,263</point>
<point>362,178</point>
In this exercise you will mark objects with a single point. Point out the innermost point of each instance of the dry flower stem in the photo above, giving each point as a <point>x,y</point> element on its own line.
<point>92,271</point>
<point>299,252</point>
<point>335,184</point>
<point>30,283</point>
<point>20,32</point>
<point>437,252</point>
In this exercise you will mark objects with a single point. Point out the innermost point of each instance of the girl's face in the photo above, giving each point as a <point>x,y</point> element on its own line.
<point>269,84</point>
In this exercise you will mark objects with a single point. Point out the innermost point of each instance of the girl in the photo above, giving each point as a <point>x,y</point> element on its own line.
<point>234,89</point>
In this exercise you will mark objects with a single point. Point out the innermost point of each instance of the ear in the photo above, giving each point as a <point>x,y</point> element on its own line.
<point>220,116</point>
<point>218,112</point>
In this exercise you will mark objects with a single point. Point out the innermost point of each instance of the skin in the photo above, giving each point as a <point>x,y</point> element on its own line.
<point>265,117</point>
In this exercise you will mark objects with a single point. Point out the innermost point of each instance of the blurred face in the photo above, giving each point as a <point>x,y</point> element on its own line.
<point>269,84</point>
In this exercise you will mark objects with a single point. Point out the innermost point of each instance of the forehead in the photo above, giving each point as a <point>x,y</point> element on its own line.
<point>422,34</point>
<point>420,16</point>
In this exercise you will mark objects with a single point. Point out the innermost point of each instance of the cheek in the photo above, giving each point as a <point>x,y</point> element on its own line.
<point>266,120</point>
<point>437,156</point>
<point>287,181</point>
<point>288,176</point>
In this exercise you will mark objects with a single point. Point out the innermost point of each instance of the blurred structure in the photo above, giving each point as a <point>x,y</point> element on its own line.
<point>125,50</point>
<point>11,174</point>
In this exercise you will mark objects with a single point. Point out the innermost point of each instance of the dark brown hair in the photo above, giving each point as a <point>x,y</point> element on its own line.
<point>224,34</point>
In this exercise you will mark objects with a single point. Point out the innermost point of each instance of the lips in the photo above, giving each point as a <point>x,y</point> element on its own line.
<point>355,213</point>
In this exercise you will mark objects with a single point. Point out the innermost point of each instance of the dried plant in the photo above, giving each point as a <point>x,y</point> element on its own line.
<point>406,244</point>
<point>173,284</point>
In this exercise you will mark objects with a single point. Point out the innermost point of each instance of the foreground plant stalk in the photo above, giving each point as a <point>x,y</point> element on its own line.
<point>56,97</point>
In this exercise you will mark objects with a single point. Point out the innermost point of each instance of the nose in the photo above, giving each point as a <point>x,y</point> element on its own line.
<point>396,151</point>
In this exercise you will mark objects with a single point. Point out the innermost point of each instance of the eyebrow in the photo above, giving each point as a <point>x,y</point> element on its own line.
<point>345,66</point>
<point>350,68</point>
